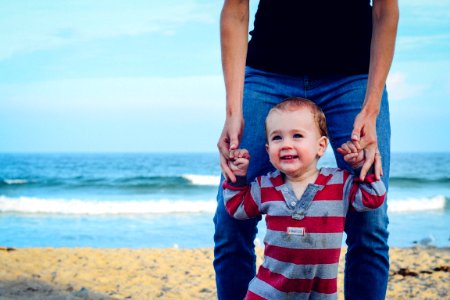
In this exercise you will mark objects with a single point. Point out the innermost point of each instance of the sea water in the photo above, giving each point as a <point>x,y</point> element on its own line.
<point>168,200</point>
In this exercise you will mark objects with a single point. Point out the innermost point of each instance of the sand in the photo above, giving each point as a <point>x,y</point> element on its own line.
<point>85,273</point>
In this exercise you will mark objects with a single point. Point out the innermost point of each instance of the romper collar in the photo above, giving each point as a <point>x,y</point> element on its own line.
<point>299,207</point>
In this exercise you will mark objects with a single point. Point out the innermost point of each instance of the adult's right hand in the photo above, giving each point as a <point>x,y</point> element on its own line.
<point>364,136</point>
<point>229,140</point>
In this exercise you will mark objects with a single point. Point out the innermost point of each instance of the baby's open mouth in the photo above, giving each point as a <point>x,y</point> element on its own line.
<point>289,157</point>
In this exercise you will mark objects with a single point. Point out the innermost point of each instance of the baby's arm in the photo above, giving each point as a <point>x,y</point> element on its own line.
<point>242,201</point>
<point>365,193</point>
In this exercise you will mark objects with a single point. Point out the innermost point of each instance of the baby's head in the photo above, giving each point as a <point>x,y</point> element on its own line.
<point>296,132</point>
<point>297,103</point>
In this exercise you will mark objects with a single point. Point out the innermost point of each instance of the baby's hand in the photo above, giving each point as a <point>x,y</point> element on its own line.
<point>354,157</point>
<point>239,160</point>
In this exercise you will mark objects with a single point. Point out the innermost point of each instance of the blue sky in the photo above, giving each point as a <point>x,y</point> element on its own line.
<point>145,76</point>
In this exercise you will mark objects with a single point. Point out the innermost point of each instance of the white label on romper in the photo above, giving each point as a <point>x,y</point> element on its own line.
<point>296,230</point>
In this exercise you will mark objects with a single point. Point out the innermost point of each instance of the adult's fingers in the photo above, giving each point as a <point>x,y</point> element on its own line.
<point>232,154</point>
<point>356,137</point>
<point>226,171</point>
<point>239,153</point>
<point>378,166</point>
<point>369,159</point>
<point>223,145</point>
<point>369,140</point>
<point>234,144</point>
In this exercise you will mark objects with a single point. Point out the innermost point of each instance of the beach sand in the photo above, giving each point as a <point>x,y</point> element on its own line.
<point>86,273</point>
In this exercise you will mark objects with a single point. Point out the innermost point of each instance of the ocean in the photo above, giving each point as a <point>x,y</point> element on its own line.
<point>168,200</point>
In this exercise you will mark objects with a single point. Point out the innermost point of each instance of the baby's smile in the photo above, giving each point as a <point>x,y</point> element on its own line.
<point>288,157</point>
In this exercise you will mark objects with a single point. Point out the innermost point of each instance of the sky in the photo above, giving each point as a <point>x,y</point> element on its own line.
<point>145,76</point>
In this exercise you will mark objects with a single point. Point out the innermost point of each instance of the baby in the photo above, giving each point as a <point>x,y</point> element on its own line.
<point>305,207</point>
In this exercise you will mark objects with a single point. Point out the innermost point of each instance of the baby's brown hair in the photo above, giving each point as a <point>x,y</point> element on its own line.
<point>294,103</point>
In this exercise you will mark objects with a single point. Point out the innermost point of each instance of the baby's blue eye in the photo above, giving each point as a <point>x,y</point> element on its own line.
<point>297,136</point>
<point>276,138</point>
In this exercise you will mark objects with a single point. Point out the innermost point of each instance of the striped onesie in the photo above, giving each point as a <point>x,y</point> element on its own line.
<point>304,236</point>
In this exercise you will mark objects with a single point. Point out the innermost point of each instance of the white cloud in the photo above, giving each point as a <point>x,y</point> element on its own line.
<point>41,25</point>
<point>400,88</point>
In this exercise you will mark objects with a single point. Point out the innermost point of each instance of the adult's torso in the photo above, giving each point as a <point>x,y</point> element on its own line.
<point>300,37</point>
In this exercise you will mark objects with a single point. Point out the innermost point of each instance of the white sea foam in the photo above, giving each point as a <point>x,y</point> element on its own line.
<point>417,204</point>
<point>203,179</point>
<point>15,181</point>
<point>166,206</point>
<point>95,207</point>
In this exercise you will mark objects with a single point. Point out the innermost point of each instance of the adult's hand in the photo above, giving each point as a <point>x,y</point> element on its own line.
<point>364,136</point>
<point>229,140</point>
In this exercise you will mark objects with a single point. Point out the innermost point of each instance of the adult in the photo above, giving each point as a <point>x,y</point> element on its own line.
<point>338,54</point>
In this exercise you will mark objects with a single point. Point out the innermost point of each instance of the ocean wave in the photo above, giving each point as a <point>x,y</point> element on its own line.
<point>123,183</point>
<point>203,179</point>
<point>157,182</point>
<point>14,181</point>
<point>403,180</point>
<point>417,204</point>
<point>29,205</point>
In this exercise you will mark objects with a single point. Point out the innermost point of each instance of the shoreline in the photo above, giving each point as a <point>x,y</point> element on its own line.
<point>151,273</point>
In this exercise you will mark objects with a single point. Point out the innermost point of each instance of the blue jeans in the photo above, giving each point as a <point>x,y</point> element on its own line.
<point>341,99</point>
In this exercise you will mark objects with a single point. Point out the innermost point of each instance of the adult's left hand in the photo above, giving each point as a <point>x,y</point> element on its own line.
<point>364,135</point>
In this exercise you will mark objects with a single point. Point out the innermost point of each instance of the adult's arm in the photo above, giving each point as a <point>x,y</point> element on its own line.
<point>385,15</point>
<point>234,39</point>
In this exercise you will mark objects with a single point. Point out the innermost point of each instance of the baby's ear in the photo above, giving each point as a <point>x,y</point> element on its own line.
<point>267,148</point>
<point>323,144</point>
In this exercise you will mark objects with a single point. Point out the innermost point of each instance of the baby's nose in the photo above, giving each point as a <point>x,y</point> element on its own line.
<point>286,144</point>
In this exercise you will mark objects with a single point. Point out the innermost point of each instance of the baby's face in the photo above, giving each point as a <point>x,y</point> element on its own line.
<point>294,141</point>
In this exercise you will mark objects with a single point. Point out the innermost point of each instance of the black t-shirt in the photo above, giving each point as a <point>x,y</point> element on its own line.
<point>299,37</point>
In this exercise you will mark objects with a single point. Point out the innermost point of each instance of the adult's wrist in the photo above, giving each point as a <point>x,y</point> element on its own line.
<point>234,113</point>
<point>374,93</point>
<point>370,112</point>
<point>234,108</point>
<point>371,107</point>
